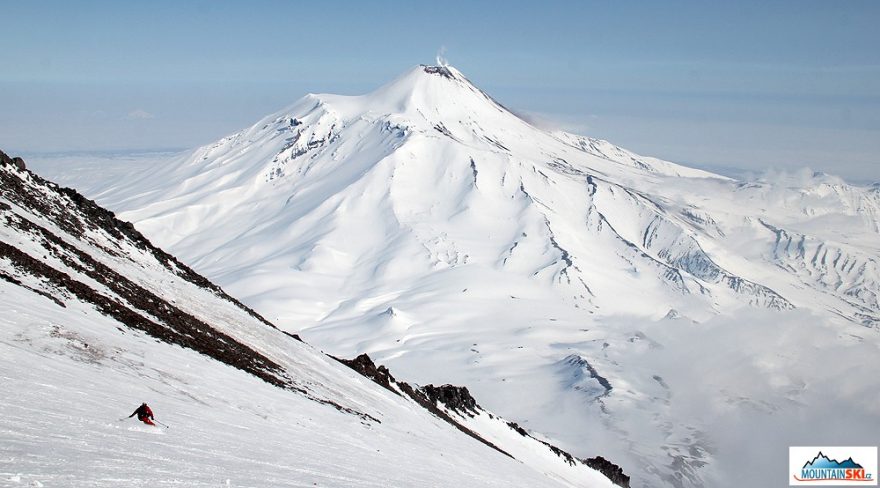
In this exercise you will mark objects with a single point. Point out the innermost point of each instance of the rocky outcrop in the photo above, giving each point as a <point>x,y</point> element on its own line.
<point>612,471</point>
<point>456,398</point>
<point>439,71</point>
<point>366,367</point>
<point>17,162</point>
<point>459,400</point>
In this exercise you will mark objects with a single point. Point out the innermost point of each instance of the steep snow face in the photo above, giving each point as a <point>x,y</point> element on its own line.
<point>95,320</point>
<point>70,378</point>
<point>427,225</point>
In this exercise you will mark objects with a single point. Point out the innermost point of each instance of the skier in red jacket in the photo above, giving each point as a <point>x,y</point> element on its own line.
<point>144,414</point>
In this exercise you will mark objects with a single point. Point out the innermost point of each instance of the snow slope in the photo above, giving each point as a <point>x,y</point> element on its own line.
<point>427,225</point>
<point>96,320</point>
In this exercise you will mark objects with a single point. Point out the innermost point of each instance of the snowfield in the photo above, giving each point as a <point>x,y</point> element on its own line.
<point>69,375</point>
<point>94,320</point>
<point>680,323</point>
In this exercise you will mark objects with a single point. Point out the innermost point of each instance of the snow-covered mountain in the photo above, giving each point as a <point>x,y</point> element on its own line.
<point>95,319</point>
<point>565,280</point>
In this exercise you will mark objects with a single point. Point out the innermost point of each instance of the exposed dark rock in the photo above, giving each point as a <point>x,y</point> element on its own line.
<point>15,281</point>
<point>583,364</point>
<point>380,374</point>
<point>295,336</point>
<point>443,130</point>
<point>366,367</point>
<point>171,324</point>
<point>612,471</point>
<point>559,452</point>
<point>571,460</point>
<point>456,398</point>
<point>439,70</point>
<point>459,399</point>
<point>89,214</point>
<point>474,171</point>
<point>609,469</point>
<point>17,162</point>
<point>519,430</point>
<point>127,301</point>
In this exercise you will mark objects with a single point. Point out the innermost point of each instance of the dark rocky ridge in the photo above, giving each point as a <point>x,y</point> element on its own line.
<point>79,213</point>
<point>460,400</point>
<point>439,71</point>
<point>612,471</point>
<point>583,364</point>
<point>17,162</point>
<point>457,398</point>
<point>366,367</point>
<point>380,375</point>
<point>43,202</point>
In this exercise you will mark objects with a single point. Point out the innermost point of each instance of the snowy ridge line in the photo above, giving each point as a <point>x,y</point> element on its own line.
<point>139,299</point>
<point>77,265</point>
<point>455,405</point>
<point>835,267</point>
<point>129,302</point>
<point>381,376</point>
<point>581,364</point>
<point>453,74</point>
<point>127,230</point>
<point>666,242</point>
<point>606,150</point>
<point>28,189</point>
<point>670,273</point>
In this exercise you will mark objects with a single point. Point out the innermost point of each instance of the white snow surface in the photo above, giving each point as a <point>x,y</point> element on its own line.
<point>427,225</point>
<point>62,403</point>
<point>71,375</point>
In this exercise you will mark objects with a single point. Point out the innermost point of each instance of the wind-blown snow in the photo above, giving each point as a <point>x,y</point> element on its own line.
<point>427,225</point>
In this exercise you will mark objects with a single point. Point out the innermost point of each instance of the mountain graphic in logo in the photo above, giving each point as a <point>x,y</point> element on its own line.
<point>822,461</point>
<point>825,470</point>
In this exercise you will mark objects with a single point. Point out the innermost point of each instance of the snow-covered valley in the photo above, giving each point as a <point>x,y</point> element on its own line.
<point>677,322</point>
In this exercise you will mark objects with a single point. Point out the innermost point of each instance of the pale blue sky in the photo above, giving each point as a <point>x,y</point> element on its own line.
<point>728,85</point>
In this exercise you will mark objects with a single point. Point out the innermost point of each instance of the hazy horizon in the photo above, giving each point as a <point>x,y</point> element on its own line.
<point>730,88</point>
